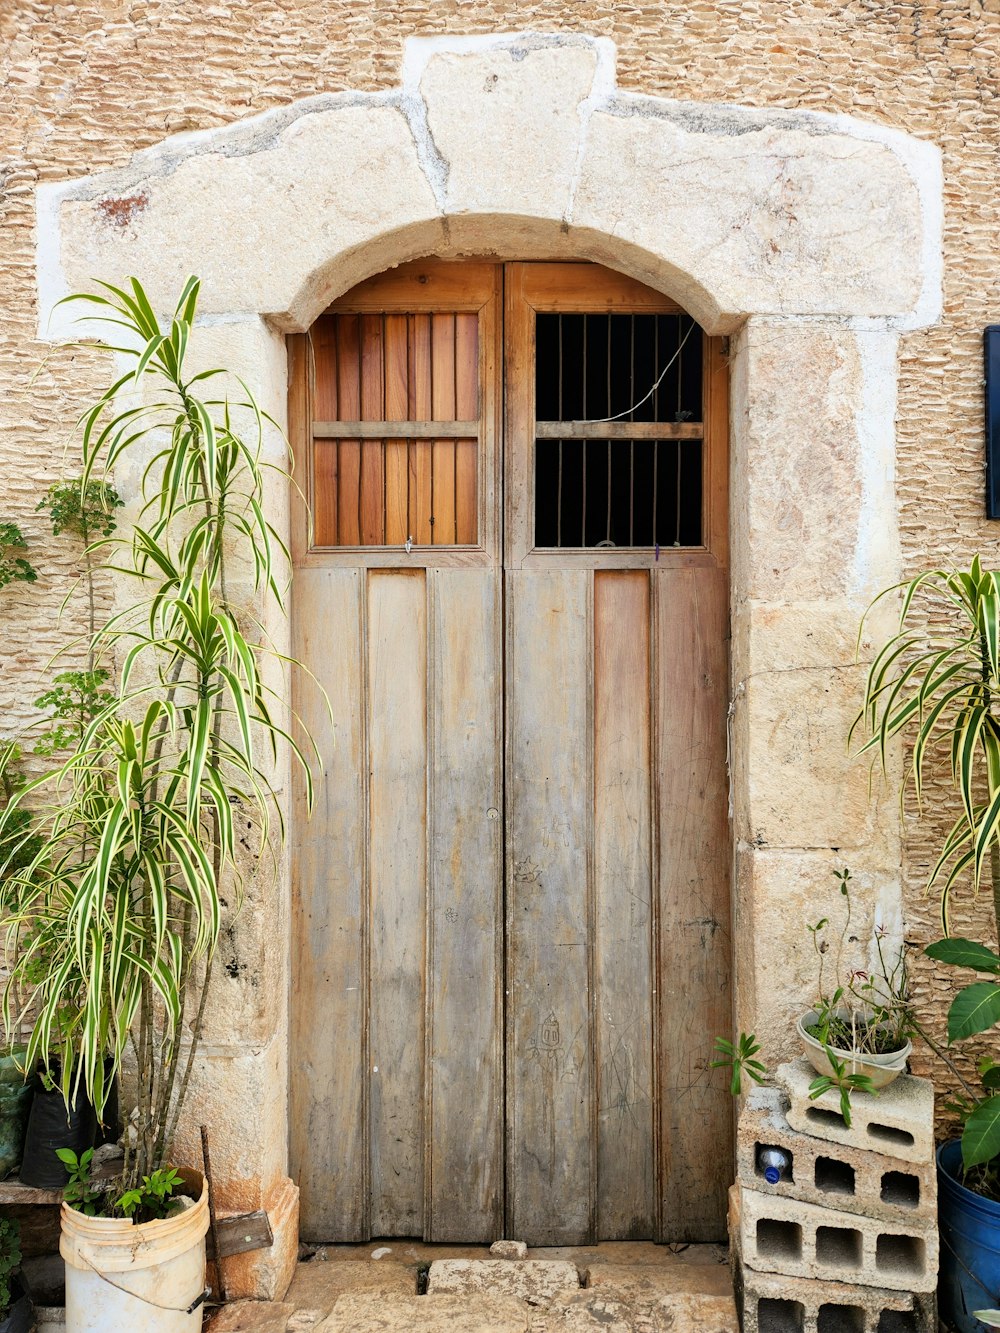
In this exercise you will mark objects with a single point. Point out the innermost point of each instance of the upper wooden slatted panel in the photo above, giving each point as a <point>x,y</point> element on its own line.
<point>400,417</point>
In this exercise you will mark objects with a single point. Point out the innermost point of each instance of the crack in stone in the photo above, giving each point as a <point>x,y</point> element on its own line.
<point>432,161</point>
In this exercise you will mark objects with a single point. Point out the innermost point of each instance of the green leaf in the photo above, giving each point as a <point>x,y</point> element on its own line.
<point>981,1137</point>
<point>959,952</point>
<point>973,1010</point>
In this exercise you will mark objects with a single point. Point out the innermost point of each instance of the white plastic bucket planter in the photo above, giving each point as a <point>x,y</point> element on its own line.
<point>144,1279</point>
<point>881,1069</point>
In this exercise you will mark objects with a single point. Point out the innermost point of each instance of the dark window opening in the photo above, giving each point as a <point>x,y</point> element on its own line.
<point>630,485</point>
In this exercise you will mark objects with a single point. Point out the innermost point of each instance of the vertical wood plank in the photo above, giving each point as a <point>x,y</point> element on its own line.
<point>396,408</point>
<point>465,1194</point>
<point>466,409</point>
<point>443,409</point>
<point>372,500</point>
<point>348,451</point>
<point>323,348</point>
<point>626,1200</point>
<point>695,948</point>
<point>327,1058</point>
<point>420,410</point>
<point>397,721</point>
<point>549,784</point>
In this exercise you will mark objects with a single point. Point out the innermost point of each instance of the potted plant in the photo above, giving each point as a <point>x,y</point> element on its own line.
<point>139,856</point>
<point>936,682</point>
<point>16,1309</point>
<point>865,1022</point>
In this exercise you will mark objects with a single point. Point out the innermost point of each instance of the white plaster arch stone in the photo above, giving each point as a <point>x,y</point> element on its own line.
<point>516,145</point>
<point>812,239</point>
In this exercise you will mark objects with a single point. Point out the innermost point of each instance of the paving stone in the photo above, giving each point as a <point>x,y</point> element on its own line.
<point>649,1283</point>
<point>771,1303</point>
<point>508,1249</point>
<point>897,1122</point>
<point>536,1281</point>
<point>252,1317</point>
<point>854,1180</point>
<point>317,1285</point>
<point>305,1319</point>
<point>613,1312</point>
<point>373,1312</point>
<point>802,1240</point>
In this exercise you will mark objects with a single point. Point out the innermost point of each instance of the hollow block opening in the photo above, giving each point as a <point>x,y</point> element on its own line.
<point>838,1247</point>
<point>776,1316</point>
<point>779,1240</point>
<point>903,1255</point>
<point>840,1319</point>
<point>834,1177</point>
<point>901,1189</point>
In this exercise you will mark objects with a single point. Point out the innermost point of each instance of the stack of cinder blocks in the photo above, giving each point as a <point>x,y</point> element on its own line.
<point>848,1243</point>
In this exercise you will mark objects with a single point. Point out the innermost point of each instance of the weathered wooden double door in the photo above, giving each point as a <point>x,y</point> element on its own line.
<point>511,903</point>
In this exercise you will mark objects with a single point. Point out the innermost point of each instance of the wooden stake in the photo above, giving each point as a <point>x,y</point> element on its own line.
<point>219,1279</point>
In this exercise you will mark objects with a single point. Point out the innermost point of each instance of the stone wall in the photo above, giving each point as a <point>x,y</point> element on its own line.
<point>86,85</point>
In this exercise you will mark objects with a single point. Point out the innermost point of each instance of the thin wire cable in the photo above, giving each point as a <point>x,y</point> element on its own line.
<point>646,396</point>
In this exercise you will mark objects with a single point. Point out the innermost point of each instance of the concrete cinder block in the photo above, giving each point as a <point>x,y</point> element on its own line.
<point>772,1303</point>
<point>796,1239</point>
<point>832,1175</point>
<point>896,1122</point>
<point>768,1303</point>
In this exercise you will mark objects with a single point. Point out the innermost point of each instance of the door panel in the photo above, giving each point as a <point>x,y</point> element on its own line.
<point>624,915</point>
<point>696,1111</point>
<point>550,1066</point>
<point>465,956</point>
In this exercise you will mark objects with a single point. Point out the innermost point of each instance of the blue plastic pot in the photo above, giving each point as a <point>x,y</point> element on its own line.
<point>970,1246</point>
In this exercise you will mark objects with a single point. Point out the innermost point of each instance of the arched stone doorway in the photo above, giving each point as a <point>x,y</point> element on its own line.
<point>810,240</point>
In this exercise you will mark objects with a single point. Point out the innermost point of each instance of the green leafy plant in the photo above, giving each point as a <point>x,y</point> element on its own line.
<point>148,1201</point>
<point>843,1082</point>
<point>935,682</point>
<point>738,1058</point>
<point>10,1258</point>
<point>869,1011</point>
<point>86,508</point>
<point>74,701</point>
<point>14,567</point>
<point>124,900</point>
<point>78,1191</point>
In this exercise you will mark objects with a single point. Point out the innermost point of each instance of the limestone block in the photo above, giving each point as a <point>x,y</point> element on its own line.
<point>798,1239</point>
<point>509,1249</point>
<point>799,785</point>
<point>853,1180</point>
<point>813,466</point>
<point>760,237</point>
<point>372,1312</point>
<point>241,1095</point>
<point>251,1317</point>
<point>320,1283</point>
<point>516,105</point>
<point>897,1122</point>
<point>606,1311</point>
<point>779,893</point>
<point>266,1274</point>
<point>536,1281</point>
<point>299,187</point>
<point>785,636</point>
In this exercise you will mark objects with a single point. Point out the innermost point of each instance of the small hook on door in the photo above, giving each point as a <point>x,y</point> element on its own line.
<point>409,545</point>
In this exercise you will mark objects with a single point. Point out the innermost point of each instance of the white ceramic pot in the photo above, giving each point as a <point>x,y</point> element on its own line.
<point>146,1279</point>
<point>881,1069</point>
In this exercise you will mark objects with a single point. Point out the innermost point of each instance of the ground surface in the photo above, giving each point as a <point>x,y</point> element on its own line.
<point>613,1288</point>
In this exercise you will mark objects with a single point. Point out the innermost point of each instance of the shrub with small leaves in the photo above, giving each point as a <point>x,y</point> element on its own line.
<point>10,1258</point>
<point>13,566</point>
<point>76,698</point>
<point>87,510</point>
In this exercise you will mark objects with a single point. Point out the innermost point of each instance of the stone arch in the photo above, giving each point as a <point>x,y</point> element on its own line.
<point>811,239</point>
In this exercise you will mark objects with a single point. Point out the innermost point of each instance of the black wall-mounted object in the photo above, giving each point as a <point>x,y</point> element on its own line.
<point>991,362</point>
